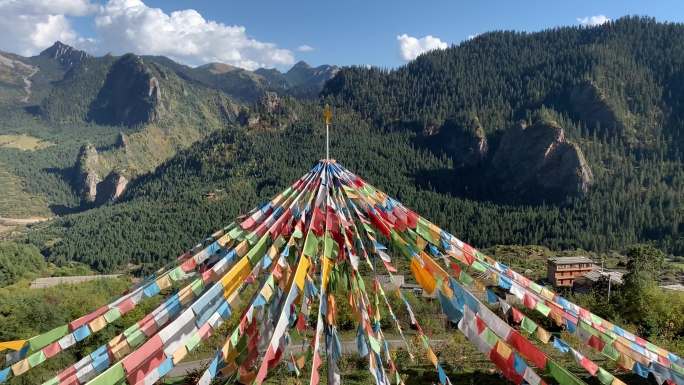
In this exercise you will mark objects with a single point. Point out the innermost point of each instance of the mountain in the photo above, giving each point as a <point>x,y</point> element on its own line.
<point>614,83</point>
<point>304,76</point>
<point>65,55</point>
<point>54,94</point>
<point>569,138</point>
<point>84,104</point>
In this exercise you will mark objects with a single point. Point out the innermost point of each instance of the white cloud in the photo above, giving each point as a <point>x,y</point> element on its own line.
<point>592,21</point>
<point>471,37</point>
<point>28,26</point>
<point>121,26</point>
<point>305,48</point>
<point>131,26</point>
<point>410,47</point>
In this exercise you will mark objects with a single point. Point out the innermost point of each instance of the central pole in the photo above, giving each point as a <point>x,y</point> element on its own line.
<point>327,115</point>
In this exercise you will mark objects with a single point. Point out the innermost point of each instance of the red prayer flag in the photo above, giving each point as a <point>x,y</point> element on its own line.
<point>527,349</point>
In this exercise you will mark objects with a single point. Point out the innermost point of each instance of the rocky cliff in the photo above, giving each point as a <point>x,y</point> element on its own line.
<point>131,94</point>
<point>538,162</point>
<point>463,138</point>
<point>93,185</point>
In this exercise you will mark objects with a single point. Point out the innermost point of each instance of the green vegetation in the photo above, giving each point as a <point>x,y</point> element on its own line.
<point>18,261</point>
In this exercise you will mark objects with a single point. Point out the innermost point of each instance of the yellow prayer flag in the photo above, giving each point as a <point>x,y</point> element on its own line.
<point>121,350</point>
<point>179,354</point>
<point>242,248</point>
<point>164,282</point>
<point>424,279</point>
<point>543,335</point>
<point>302,269</point>
<point>223,241</point>
<point>432,357</point>
<point>503,349</point>
<point>20,367</point>
<point>12,345</point>
<point>186,295</point>
<point>97,324</point>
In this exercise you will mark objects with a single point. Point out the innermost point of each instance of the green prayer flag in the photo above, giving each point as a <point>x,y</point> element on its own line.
<point>490,337</point>
<point>535,287</point>
<point>465,279</point>
<point>297,234</point>
<point>605,377</point>
<point>52,381</point>
<point>112,376</point>
<point>310,244</point>
<point>257,252</point>
<point>252,237</point>
<point>112,315</point>
<point>477,266</point>
<point>45,339</point>
<point>542,308</point>
<point>587,327</point>
<point>36,358</point>
<point>528,325</point>
<point>236,233</point>
<point>369,229</point>
<point>193,341</point>
<point>132,329</point>
<point>136,339</point>
<point>610,352</point>
<point>562,375</point>
<point>176,274</point>
<point>197,287</point>
<point>330,246</point>
<point>374,344</point>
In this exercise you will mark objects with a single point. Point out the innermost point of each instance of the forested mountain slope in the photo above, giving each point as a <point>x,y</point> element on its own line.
<point>567,138</point>
<point>206,186</point>
<point>147,107</point>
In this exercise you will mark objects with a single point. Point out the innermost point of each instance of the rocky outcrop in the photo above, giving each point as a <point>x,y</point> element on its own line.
<point>94,188</point>
<point>122,141</point>
<point>270,103</point>
<point>111,188</point>
<point>589,103</point>
<point>538,162</point>
<point>131,95</point>
<point>463,139</point>
<point>88,179</point>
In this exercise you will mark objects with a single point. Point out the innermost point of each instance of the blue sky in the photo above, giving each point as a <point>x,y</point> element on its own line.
<point>342,32</point>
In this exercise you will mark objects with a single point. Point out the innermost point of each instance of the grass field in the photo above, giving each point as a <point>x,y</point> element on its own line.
<point>23,142</point>
<point>12,192</point>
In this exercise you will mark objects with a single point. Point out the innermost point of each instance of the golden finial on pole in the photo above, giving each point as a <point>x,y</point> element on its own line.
<point>327,114</point>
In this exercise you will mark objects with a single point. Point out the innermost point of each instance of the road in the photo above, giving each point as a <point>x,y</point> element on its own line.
<point>348,347</point>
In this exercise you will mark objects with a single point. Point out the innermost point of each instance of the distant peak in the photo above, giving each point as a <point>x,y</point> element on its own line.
<point>301,64</point>
<point>219,68</point>
<point>57,49</point>
<point>65,54</point>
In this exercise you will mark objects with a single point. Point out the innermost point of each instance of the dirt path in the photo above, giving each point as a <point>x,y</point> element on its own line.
<point>9,224</point>
<point>27,85</point>
<point>22,221</point>
<point>348,347</point>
